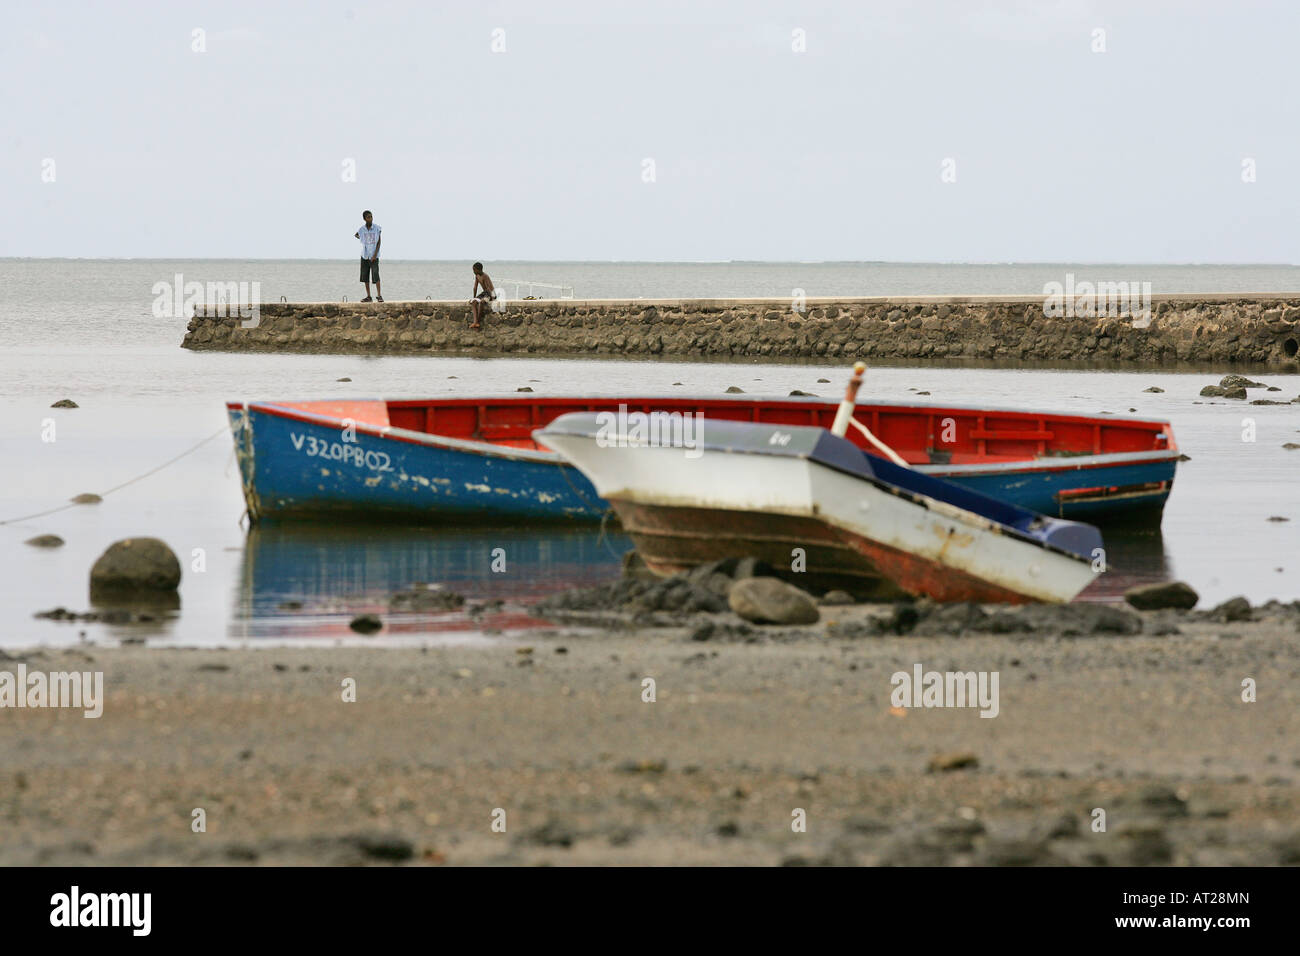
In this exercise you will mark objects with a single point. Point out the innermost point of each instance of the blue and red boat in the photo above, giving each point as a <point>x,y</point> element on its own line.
<point>453,459</point>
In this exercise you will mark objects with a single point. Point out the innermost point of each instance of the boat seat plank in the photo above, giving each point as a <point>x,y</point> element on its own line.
<point>990,434</point>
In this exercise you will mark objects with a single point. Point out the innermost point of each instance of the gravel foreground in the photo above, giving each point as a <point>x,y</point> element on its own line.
<point>749,725</point>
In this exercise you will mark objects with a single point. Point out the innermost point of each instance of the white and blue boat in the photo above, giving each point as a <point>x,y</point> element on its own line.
<point>825,514</point>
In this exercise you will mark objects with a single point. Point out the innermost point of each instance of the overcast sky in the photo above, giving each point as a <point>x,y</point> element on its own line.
<point>544,150</point>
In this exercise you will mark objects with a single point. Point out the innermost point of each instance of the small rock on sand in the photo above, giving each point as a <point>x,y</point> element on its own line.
<point>1288,848</point>
<point>343,379</point>
<point>1145,843</point>
<point>735,390</point>
<point>634,566</point>
<point>551,833</point>
<point>1153,597</point>
<point>87,498</point>
<point>1013,852</point>
<point>523,388</point>
<point>1064,827</point>
<point>1153,388</point>
<point>45,541</point>
<point>1290,446</point>
<point>796,392</point>
<point>383,846</point>
<point>771,600</point>
<point>836,598</point>
<point>1233,609</point>
<point>366,624</point>
<point>65,403</point>
<point>1162,801</point>
<point>136,564</point>
<point>941,763</point>
<point>823,381</point>
<point>652,765</point>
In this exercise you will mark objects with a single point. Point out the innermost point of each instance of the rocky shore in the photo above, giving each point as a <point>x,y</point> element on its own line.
<point>1261,330</point>
<point>743,730</point>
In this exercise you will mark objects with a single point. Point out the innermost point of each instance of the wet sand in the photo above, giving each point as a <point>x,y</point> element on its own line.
<point>745,730</point>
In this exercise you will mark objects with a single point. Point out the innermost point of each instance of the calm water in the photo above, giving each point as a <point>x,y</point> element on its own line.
<point>84,330</point>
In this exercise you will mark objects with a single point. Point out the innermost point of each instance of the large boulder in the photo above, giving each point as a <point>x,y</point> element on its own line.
<point>1220,391</point>
<point>140,565</point>
<point>1239,381</point>
<point>1166,594</point>
<point>772,601</point>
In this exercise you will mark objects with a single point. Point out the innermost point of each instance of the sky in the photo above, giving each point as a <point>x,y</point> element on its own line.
<point>923,131</point>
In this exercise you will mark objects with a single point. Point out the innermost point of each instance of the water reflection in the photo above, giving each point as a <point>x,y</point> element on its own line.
<point>1134,557</point>
<point>308,580</point>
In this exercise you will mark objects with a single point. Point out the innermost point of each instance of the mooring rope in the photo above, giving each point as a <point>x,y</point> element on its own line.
<point>602,540</point>
<point>564,473</point>
<point>151,471</point>
<point>605,515</point>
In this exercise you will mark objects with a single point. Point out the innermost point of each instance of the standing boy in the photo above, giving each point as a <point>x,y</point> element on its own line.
<point>369,236</point>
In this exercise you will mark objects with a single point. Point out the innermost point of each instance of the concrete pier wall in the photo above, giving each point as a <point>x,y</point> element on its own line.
<point>1256,329</point>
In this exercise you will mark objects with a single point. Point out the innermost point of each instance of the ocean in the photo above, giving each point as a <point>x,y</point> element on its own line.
<point>86,330</point>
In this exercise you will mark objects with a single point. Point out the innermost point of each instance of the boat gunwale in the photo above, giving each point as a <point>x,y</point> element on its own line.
<point>1036,464</point>
<point>515,399</point>
<point>406,435</point>
<point>1072,463</point>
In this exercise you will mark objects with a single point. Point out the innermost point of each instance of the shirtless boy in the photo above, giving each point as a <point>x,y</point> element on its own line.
<point>481,298</point>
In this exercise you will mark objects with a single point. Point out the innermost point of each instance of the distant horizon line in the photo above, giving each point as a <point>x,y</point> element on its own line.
<point>674,262</point>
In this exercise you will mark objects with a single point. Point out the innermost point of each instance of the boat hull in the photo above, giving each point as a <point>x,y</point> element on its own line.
<point>667,541</point>
<point>822,527</point>
<point>301,467</point>
<point>1096,491</point>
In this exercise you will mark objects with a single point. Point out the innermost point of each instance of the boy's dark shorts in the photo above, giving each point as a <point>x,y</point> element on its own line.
<point>369,270</point>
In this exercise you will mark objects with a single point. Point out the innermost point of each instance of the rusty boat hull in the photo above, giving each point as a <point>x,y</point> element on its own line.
<point>827,514</point>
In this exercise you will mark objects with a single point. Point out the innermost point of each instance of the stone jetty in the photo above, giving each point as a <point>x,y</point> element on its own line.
<point>1261,329</point>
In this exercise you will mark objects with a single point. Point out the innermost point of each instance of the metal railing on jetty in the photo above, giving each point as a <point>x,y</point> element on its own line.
<point>561,291</point>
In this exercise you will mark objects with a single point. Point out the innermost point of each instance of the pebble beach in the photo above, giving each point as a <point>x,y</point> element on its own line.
<point>545,750</point>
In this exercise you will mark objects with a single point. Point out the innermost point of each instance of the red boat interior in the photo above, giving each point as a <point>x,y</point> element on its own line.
<point>921,434</point>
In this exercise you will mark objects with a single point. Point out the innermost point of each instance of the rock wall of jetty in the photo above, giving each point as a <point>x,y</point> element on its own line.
<point>1255,330</point>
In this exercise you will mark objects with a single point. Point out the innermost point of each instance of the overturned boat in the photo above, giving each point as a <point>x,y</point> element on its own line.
<point>825,513</point>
